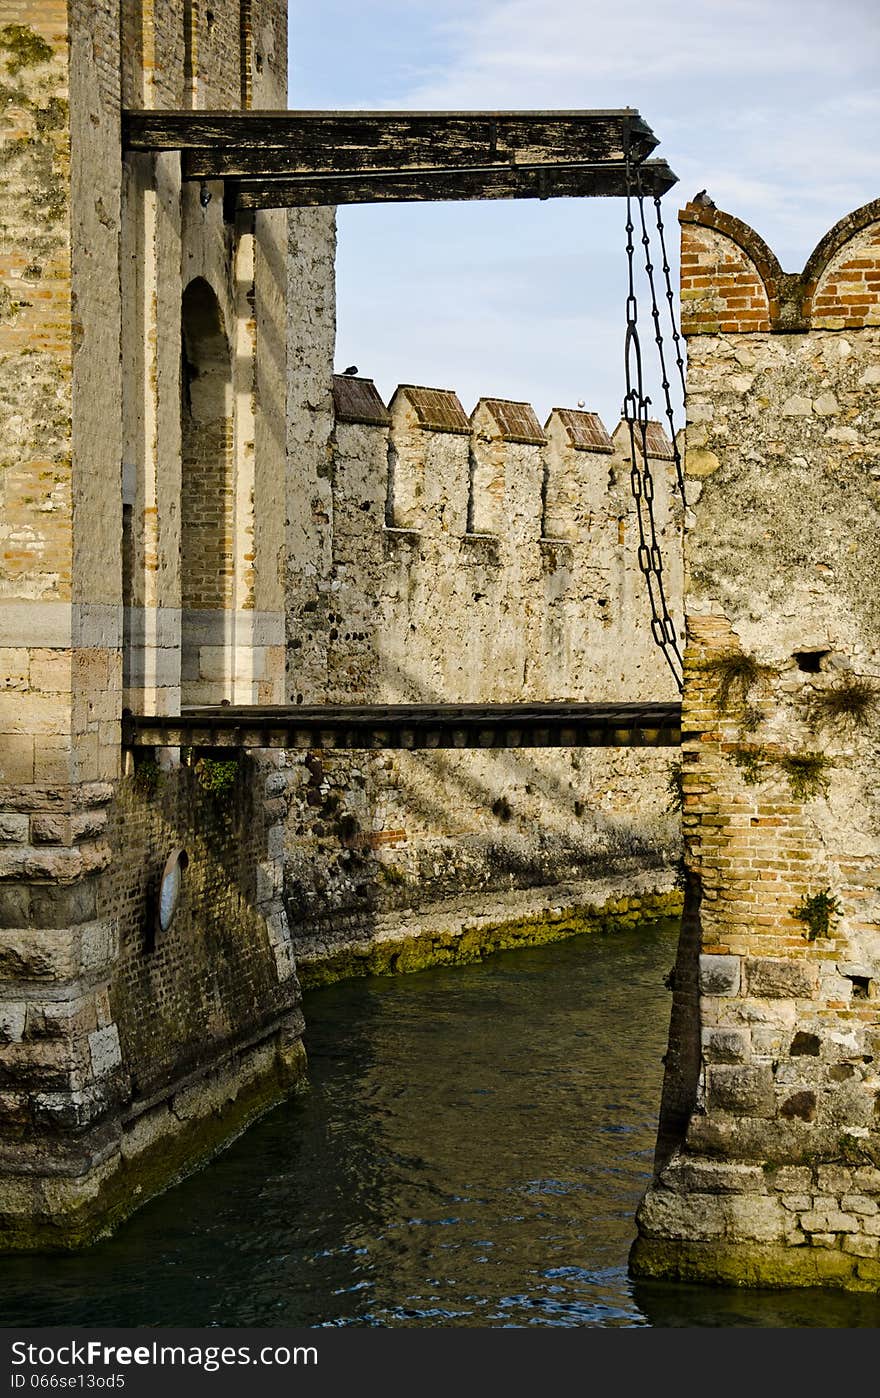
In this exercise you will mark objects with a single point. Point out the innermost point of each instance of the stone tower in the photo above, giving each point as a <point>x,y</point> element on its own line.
<point>143,501</point>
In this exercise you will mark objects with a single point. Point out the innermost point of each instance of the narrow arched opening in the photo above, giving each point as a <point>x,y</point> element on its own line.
<point>207,559</point>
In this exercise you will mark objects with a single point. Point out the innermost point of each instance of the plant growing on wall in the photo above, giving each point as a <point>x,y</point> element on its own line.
<point>850,702</point>
<point>752,762</point>
<point>807,773</point>
<point>736,674</point>
<point>674,785</point>
<point>819,911</point>
<point>147,776</point>
<point>217,775</point>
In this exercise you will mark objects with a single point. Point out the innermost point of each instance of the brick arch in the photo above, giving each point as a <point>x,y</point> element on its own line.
<point>841,281</point>
<point>206,505</point>
<point>730,278</point>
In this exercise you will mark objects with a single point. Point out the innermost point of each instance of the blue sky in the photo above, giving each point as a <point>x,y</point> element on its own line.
<point>771,105</point>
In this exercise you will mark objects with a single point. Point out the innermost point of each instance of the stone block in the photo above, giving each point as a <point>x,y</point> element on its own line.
<point>14,666</point>
<point>53,905</point>
<point>751,1218</point>
<point>793,1179</point>
<point>105,1051</point>
<point>15,902</point>
<point>666,1214</point>
<point>687,1175</point>
<point>770,977</point>
<point>746,1091</point>
<point>37,954</point>
<point>12,1021</point>
<point>860,1246</point>
<point>796,1203</point>
<point>726,1045</point>
<point>834,1179</point>
<point>859,1204</point>
<point>14,828</point>
<point>719,975</point>
<point>830,1221</point>
<point>17,759</point>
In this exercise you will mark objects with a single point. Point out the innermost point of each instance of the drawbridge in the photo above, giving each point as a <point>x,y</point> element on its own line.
<point>298,159</point>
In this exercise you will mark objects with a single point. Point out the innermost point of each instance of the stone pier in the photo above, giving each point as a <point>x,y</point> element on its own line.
<point>768,1165</point>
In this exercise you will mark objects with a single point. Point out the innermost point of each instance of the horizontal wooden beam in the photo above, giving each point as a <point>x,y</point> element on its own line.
<point>255,144</point>
<point>543,181</point>
<point>411,726</point>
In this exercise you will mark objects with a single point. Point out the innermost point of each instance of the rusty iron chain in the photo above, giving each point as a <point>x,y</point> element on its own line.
<point>675,336</point>
<point>658,333</point>
<point>635,412</point>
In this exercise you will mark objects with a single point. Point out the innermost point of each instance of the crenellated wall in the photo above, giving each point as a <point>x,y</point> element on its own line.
<point>413,597</point>
<point>769,1156</point>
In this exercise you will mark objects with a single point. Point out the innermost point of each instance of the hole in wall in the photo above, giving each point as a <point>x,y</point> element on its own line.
<point>810,661</point>
<point>861,987</point>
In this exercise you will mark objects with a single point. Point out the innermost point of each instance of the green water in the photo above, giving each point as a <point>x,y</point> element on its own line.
<point>471,1151</point>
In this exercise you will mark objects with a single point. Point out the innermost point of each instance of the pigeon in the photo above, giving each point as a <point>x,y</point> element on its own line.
<point>703,198</point>
<point>352,369</point>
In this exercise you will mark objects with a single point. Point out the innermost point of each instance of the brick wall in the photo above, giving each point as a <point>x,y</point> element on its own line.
<point>98,254</point>
<point>775,1175</point>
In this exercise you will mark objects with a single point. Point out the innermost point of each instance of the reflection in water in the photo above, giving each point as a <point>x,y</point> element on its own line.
<point>471,1151</point>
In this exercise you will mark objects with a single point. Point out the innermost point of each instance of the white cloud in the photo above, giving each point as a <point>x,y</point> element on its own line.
<point>771,105</point>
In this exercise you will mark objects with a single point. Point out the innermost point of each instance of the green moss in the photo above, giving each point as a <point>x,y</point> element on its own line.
<point>772,1265</point>
<point>477,942</point>
<point>147,776</point>
<point>93,1211</point>
<point>217,775</point>
<point>819,912</point>
<point>26,48</point>
<point>752,762</point>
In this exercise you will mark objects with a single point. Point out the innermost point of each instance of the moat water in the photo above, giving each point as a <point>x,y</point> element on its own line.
<point>470,1151</point>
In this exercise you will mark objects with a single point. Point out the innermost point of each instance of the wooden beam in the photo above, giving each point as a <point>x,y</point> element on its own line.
<point>542,181</point>
<point>254,144</point>
<point>411,726</point>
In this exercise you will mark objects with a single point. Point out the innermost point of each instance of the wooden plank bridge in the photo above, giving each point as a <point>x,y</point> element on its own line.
<point>410,726</point>
<point>299,159</point>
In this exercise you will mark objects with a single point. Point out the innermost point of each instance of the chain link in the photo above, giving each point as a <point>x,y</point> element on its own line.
<point>676,340</point>
<point>635,412</point>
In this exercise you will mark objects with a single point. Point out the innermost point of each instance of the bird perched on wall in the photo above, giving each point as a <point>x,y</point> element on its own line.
<point>352,369</point>
<point>703,198</point>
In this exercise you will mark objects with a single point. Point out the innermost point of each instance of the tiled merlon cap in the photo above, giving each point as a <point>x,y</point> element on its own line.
<point>437,409</point>
<point>357,400</point>
<point>585,431</point>
<point>516,421</point>
<point>659,445</point>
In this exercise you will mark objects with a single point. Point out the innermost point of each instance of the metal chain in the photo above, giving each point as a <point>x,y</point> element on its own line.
<point>658,333</point>
<point>635,412</point>
<point>675,335</point>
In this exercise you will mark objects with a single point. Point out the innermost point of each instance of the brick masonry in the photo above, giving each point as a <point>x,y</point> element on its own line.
<point>773,1178</point>
<point>126,1056</point>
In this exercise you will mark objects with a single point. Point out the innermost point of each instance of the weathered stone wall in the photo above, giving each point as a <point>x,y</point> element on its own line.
<point>122,1063</point>
<point>775,1177</point>
<point>401,600</point>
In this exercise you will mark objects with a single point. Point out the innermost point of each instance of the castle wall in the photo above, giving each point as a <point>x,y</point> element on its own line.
<point>406,604</point>
<point>774,1178</point>
<point>127,1054</point>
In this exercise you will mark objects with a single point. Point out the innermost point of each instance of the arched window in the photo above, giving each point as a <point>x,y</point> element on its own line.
<point>207,508</point>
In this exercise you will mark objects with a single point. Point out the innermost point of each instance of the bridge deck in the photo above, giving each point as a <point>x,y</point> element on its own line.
<point>411,726</point>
